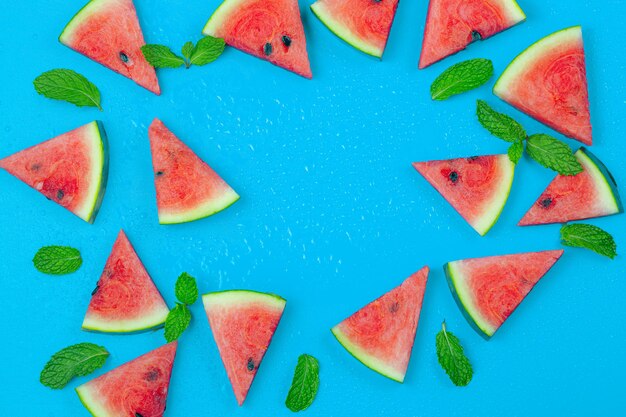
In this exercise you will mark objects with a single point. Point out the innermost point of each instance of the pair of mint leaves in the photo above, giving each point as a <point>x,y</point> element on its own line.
<point>207,50</point>
<point>179,317</point>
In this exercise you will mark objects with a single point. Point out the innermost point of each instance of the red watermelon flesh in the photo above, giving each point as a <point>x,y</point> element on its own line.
<point>70,169</point>
<point>268,29</point>
<point>477,187</point>
<point>108,32</point>
<point>125,299</point>
<point>243,324</point>
<point>451,25</point>
<point>364,24</point>
<point>488,290</point>
<point>187,188</point>
<point>137,388</point>
<point>592,193</point>
<point>381,334</point>
<point>548,81</point>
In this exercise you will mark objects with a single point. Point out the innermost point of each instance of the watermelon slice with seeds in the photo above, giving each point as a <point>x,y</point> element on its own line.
<point>70,169</point>
<point>137,388</point>
<point>187,188</point>
<point>477,187</point>
<point>451,25</point>
<point>592,193</point>
<point>487,290</point>
<point>381,334</point>
<point>125,299</point>
<point>108,32</point>
<point>243,324</point>
<point>548,81</point>
<point>268,29</point>
<point>364,24</point>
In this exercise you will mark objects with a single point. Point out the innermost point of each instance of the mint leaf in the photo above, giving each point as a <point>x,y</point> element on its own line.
<point>515,151</point>
<point>187,50</point>
<point>207,50</point>
<point>553,154</point>
<point>57,260</point>
<point>590,237</point>
<point>177,321</point>
<point>452,359</point>
<point>68,85</point>
<point>160,56</point>
<point>461,77</point>
<point>499,124</point>
<point>76,360</point>
<point>305,383</point>
<point>186,289</point>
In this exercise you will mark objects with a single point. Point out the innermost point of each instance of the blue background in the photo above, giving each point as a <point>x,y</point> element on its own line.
<point>331,216</point>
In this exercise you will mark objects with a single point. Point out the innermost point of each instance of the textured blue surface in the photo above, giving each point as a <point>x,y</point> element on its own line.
<point>331,216</point>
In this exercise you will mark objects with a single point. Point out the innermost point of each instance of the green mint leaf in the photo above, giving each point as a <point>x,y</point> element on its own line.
<point>305,383</point>
<point>461,77</point>
<point>57,260</point>
<point>515,151</point>
<point>553,154</point>
<point>76,360</point>
<point>177,322</point>
<point>498,124</point>
<point>207,50</point>
<point>187,50</point>
<point>68,85</point>
<point>186,289</point>
<point>452,359</point>
<point>590,237</point>
<point>160,56</point>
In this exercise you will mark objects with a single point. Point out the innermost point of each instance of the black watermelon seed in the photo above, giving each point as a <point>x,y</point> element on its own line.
<point>250,364</point>
<point>546,202</point>
<point>138,415</point>
<point>60,194</point>
<point>476,36</point>
<point>153,374</point>
<point>35,167</point>
<point>124,57</point>
<point>267,49</point>
<point>95,290</point>
<point>472,158</point>
<point>378,1</point>
<point>286,40</point>
<point>159,173</point>
<point>454,177</point>
<point>394,307</point>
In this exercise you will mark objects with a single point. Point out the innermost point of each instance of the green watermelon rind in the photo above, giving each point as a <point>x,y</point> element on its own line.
<point>90,403</point>
<point>490,217</point>
<point>220,15</point>
<point>343,33</point>
<point>235,297</point>
<point>102,153</point>
<point>366,359</point>
<point>604,177</point>
<point>154,321</point>
<point>208,208</point>
<point>83,14</point>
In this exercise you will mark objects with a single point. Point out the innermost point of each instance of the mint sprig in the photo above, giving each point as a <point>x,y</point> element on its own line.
<point>179,318</point>
<point>68,85</point>
<point>452,358</point>
<point>461,77</point>
<point>305,383</point>
<point>57,260</point>
<point>544,149</point>
<point>76,360</point>
<point>589,237</point>
<point>207,50</point>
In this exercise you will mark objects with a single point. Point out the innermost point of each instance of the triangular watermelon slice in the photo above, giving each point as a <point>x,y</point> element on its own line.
<point>125,299</point>
<point>548,81</point>
<point>477,187</point>
<point>108,32</point>
<point>268,29</point>
<point>137,388</point>
<point>451,25</point>
<point>364,24</point>
<point>243,324</point>
<point>488,290</point>
<point>187,188</point>
<point>71,169</point>
<point>381,334</point>
<point>592,193</point>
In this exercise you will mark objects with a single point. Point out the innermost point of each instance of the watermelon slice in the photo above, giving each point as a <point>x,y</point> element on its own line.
<point>451,25</point>
<point>243,324</point>
<point>108,32</point>
<point>548,81</point>
<point>187,188</point>
<point>71,169</point>
<point>268,29</point>
<point>364,24</point>
<point>592,193</point>
<point>137,388</point>
<point>477,187</point>
<point>125,299</point>
<point>488,290</point>
<point>381,334</point>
